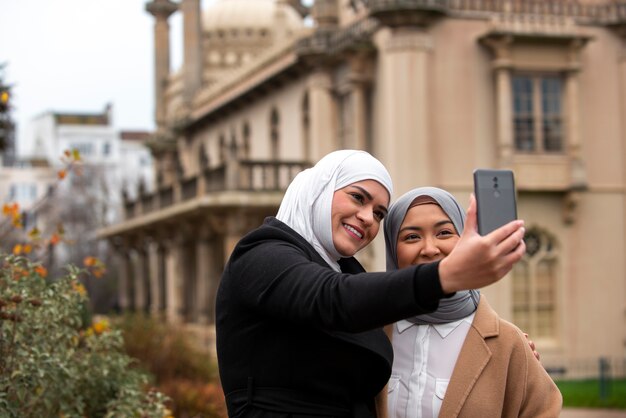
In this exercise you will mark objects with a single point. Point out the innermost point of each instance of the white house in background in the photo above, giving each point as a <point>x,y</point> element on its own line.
<point>136,161</point>
<point>115,161</point>
<point>25,183</point>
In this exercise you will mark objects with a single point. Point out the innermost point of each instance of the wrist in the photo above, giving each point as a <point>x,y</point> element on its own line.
<point>446,277</point>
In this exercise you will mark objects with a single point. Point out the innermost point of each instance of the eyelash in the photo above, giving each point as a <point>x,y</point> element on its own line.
<point>358,197</point>
<point>380,215</point>
<point>444,232</point>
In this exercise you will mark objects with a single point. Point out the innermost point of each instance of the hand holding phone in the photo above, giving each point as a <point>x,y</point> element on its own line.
<point>495,199</point>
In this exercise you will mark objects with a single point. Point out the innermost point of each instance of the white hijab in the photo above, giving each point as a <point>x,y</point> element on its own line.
<point>307,204</point>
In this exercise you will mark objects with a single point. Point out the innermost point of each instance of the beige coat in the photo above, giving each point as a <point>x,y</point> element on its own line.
<point>497,375</point>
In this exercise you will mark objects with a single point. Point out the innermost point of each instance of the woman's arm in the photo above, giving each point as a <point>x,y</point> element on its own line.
<point>542,398</point>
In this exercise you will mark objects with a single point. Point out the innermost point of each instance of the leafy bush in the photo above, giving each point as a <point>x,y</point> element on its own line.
<point>186,373</point>
<point>53,362</point>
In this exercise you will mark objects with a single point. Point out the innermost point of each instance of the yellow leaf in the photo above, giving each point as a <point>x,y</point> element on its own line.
<point>34,233</point>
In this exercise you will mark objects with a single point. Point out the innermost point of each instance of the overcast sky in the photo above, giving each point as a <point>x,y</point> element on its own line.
<point>79,55</point>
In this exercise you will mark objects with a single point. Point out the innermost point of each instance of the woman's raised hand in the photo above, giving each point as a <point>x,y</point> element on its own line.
<point>478,261</point>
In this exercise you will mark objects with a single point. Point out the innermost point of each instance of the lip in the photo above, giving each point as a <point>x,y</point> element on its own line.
<point>352,234</point>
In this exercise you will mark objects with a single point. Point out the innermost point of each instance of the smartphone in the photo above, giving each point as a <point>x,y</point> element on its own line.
<point>495,198</point>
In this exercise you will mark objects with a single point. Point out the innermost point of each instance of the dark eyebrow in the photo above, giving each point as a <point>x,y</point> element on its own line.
<point>417,228</point>
<point>369,197</point>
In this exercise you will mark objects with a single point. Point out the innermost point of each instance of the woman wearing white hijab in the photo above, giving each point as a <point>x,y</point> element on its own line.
<point>299,321</point>
<point>462,360</point>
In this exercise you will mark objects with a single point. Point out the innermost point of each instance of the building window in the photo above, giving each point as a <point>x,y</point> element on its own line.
<point>203,158</point>
<point>274,133</point>
<point>535,286</point>
<point>85,148</point>
<point>306,126</point>
<point>538,113</point>
<point>22,192</point>
<point>106,148</point>
<point>223,150</point>
<point>245,145</point>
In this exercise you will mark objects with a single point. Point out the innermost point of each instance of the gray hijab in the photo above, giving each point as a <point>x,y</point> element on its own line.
<point>450,309</point>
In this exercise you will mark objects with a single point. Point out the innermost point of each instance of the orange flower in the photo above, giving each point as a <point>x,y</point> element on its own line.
<point>17,249</point>
<point>54,239</point>
<point>19,273</point>
<point>41,270</point>
<point>101,326</point>
<point>89,261</point>
<point>61,174</point>
<point>12,209</point>
<point>27,248</point>
<point>99,272</point>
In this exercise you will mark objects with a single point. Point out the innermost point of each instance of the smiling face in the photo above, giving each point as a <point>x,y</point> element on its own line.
<point>427,234</point>
<point>357,211</point>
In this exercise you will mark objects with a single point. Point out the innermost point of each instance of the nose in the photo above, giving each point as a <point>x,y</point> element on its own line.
<point>430,248</point>
<point>366,215</point>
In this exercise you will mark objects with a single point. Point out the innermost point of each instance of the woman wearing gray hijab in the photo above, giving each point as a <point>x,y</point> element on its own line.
<point>462,360</point>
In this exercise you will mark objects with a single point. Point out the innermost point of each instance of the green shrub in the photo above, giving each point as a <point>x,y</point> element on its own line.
<point>55,364</point>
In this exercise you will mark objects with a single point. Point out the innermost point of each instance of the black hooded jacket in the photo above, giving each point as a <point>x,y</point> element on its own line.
<point>296,338</point>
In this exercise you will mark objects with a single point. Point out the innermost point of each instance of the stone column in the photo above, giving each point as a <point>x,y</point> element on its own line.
<point>173,279</point>
<point>137,258</point>
<point>404,138</point>
<point>124,285</point>
<point>622,87</point>
<point>154,267</point>
<point>359,82</point>
<point>203,251</point>
<point>325,13</point>
<point>502,64</point>
<point>322,115</point>
<point>573,130</point>
<point>504,103</point>
<point>161,10</point>
<point>192,66</point>
<point>209,267</point>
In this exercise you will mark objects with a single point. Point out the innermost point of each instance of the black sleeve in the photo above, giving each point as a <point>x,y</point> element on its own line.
<point>278,280</point>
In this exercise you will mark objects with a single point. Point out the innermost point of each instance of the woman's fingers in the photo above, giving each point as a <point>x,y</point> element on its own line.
<point>506,232</point>
<point>471,223</point>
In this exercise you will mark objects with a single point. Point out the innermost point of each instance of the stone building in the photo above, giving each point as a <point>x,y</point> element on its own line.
<point>433,88</point>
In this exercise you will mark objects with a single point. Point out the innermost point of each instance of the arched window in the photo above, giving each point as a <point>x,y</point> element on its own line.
<point>274,134</point>
<point>535,286</point>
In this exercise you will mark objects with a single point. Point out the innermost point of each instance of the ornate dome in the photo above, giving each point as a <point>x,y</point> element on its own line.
<point>248,16</point>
